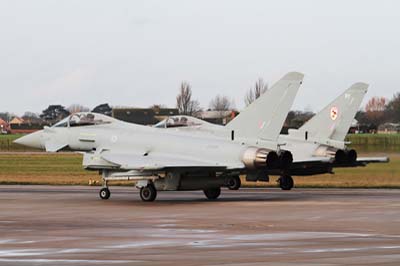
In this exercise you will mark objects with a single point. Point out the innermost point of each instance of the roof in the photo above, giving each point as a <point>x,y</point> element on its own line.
<point>2,122</point>
<point>16,120</point>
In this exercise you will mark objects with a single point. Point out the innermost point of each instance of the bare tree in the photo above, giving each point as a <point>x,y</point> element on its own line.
<point>184,102</point>
<point>76,108</point>
<point>393,108</point>
<point>194,108</point>
<point>31,117</point>
<point>221,103</point>
<point>29,114</point>
<point>253,93</point>
<point>6,116</point>
<point>376,104</point>
<point>375,110</point>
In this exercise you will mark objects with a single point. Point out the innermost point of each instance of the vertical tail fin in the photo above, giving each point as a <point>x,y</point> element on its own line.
<point>333,122</point>
<point>264,118</point>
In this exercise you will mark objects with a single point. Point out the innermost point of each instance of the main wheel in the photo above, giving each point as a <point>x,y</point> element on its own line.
<point>234,183</point>
<point>148,193</point>
<point>104,193</point>
<point>212,193</point>
<point>286,182</point>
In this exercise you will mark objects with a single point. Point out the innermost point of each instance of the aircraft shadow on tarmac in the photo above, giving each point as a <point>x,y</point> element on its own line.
<point>176,197</point>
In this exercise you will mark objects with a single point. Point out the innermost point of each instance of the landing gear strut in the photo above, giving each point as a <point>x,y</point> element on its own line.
<point>212,193</point>
<point>104,193</point>
<point>148,193</point>
<point>286,182</point>
<point>234,183</point>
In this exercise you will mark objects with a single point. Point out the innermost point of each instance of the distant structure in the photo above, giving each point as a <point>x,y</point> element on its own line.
<point>20,126</point>
<point>389,128</point>
<point>4,127</point>
<point>104,109</point>
<point>16,121</point>
<point>143,116</point>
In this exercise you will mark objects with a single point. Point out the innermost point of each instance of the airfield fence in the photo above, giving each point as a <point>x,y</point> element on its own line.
<point>375,142</point>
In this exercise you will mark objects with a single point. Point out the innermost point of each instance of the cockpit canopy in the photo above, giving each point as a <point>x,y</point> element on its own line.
<point>84,119</point>
<point>180,121</point>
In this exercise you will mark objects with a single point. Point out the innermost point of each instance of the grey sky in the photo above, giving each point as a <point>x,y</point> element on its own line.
<point>136,53</point>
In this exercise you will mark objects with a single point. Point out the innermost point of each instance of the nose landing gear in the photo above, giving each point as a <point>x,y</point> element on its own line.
<point>104,193</point>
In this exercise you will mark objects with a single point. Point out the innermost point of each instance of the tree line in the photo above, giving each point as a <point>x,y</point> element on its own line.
<point>378,110</point>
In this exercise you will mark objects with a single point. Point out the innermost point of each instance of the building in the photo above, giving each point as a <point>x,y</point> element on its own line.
<point>20,126</point>
<point>143,116</point>
<point>389,128</point>
<point>16,121</point>
<point>4,127</point>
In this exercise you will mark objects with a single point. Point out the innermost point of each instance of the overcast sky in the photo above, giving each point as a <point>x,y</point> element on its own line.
<point>136,53</point>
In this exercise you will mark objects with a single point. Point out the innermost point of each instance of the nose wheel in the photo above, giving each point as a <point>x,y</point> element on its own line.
<point>286,182</point>
<point>104,193</point>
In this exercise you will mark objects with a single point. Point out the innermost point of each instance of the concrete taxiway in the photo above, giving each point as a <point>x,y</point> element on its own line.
<point>45,225</point>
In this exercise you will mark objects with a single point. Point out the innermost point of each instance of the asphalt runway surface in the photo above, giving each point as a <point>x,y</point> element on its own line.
<point>63,225</point>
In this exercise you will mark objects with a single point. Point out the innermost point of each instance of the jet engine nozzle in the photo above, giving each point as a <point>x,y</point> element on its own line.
<point>340,156</point>
<point>272,160</point>
<point>285,159</point>
<point>254,158</point>
<point>343,157</point>
<point>351,156</point>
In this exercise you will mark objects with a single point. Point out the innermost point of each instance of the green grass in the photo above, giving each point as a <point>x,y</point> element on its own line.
<point>7,145</point>
<point>375,142</point>
<point>378,175</point>
<point>66,169</point>
<point>40,168</point>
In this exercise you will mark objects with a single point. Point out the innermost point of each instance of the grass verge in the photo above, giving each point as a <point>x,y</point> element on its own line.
<point>66,169</point>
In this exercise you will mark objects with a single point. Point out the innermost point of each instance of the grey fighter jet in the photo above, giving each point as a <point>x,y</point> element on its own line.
<point>317,147</point>
<point>158,159</point>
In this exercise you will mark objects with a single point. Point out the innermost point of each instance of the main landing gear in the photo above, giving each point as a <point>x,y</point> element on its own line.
<point>233,182</point>
<point>212,193</point>
<point>286,182</point>
<point>148,193</point>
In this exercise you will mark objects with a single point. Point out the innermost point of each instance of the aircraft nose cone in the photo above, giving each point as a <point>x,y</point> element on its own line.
<point>32,140</point>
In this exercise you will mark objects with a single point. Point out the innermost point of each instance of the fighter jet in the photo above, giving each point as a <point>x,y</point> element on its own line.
<point>158,159</point>
<point>317,147</point>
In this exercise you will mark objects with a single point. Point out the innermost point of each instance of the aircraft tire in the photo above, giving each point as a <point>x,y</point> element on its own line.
<point>104,193</point>
<point>148,193</point>
<point>286,182</point>
<point>212,193</point>
<point>234,183</point>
